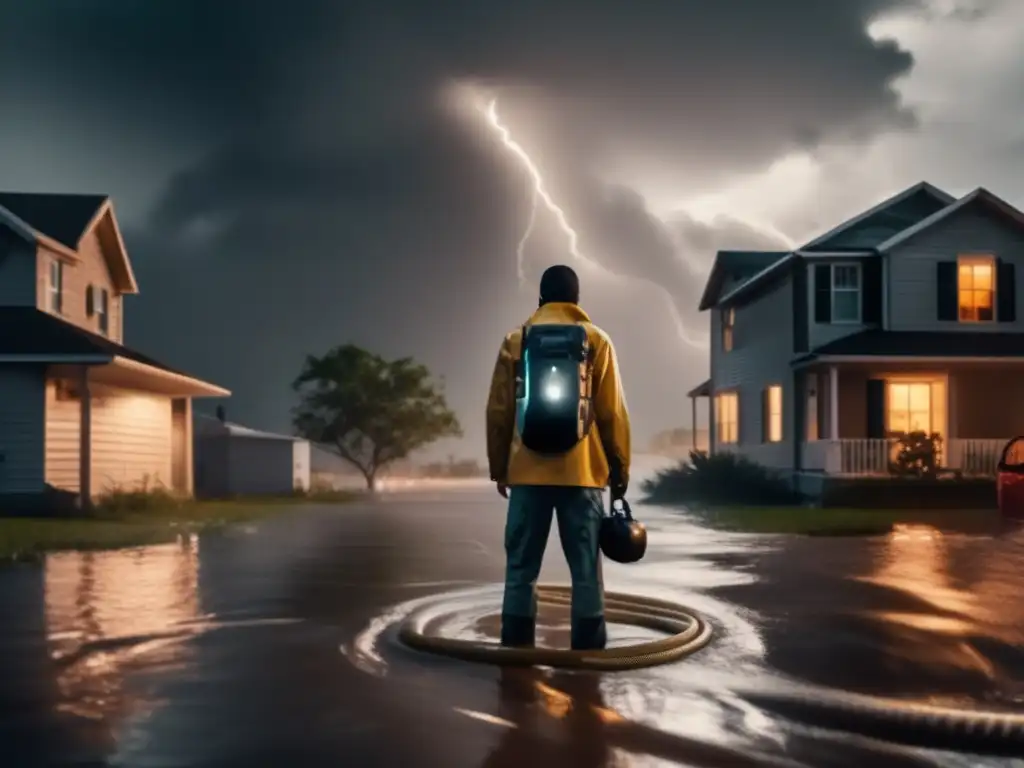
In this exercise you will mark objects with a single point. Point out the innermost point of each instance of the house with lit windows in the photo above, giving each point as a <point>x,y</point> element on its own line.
<point>81,413</point>
<point>903,318</point>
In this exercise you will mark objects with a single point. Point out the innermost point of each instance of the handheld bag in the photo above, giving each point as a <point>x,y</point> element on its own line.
<point>622,538</point>
<point>554,387</point>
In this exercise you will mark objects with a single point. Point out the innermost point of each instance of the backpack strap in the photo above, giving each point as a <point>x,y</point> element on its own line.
<point>518,373</point>
<point>589,367</point>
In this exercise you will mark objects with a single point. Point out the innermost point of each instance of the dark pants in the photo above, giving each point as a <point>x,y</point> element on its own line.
<point>579,512</point>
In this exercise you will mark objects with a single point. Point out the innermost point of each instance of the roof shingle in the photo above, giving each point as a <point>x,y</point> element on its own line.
<point>879,343</point>
<point>34,332</point>
<point>63,217</point>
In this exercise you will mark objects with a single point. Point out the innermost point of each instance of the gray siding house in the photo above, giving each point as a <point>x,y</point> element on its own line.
<point>902,318</point>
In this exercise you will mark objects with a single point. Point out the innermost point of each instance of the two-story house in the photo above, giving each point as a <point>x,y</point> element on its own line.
<point>903,318</point>
<point>79,411</point>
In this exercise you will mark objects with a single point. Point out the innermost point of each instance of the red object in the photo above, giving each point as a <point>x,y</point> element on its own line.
<point>1010,479</point>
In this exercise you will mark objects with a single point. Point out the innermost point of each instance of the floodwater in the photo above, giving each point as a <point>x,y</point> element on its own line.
<point>272,645</point>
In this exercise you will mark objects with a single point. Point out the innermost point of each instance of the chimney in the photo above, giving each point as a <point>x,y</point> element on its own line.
<point>221,416</point>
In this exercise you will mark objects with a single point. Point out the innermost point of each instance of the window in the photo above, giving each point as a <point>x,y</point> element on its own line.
<point>728,328</point>
<point>846,287</point>
<point>773,414</point>
<point>56,286</point>
<point>910,407</point>
<point>102,300</point>
<point>976,288</point>
<point>727,417</point>
<point>917,406</point>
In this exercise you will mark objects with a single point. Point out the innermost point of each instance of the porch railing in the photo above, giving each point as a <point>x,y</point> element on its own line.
<point>855,457</point>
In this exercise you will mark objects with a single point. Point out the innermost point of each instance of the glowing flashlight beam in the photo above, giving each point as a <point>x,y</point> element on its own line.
<point>541,195</point>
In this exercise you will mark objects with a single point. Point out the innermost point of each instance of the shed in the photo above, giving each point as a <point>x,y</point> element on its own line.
<point>232,460</point>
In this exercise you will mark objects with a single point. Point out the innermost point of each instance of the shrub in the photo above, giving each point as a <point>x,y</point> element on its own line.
<point>323,492</point>
<point>719,480</point>
<point>916,454</point>
<point>145,497</point>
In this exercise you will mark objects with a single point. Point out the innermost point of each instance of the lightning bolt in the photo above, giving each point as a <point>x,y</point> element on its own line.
<point>541,195</point>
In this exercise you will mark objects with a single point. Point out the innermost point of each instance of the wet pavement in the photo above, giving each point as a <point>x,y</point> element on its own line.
<point>272,645</point>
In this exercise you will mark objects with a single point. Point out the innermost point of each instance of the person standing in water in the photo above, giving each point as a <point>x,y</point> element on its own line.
<point>558,434</point>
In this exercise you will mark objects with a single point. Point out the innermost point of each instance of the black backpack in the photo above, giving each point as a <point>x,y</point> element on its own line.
<point>554,387</point>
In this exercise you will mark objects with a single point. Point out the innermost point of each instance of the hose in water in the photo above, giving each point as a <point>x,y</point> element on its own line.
<point>978,732</point>
<point>957,730</point>
<point>687,633</point>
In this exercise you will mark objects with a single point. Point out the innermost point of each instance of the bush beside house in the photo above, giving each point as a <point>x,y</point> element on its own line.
<point>721,479</point>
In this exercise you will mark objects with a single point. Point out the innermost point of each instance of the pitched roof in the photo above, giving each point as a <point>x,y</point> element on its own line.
<point>701,390</point>
<point>40,334</point>
<point>882,221</point>
<point>63,217</point>
<point>738,265</point>
<point>855,237</point>
<point>980,196</point>
<point>910,344</point>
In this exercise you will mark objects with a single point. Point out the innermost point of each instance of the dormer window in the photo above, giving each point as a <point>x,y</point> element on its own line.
<point>56,286</point>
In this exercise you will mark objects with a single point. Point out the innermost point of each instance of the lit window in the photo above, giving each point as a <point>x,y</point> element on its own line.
<point>727,417</point>
<point>773,414</point>
<point>846,289</point>
<point>728,326</point>
<point>976,288</point>
<point>56,286</point>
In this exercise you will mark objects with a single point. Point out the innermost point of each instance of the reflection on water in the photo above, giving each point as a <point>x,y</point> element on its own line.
<point>957,607</point>
<point>915,560</point>
<point>105,609</point>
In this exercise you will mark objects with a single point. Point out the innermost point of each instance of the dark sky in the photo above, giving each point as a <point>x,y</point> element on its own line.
<point>295,175</point>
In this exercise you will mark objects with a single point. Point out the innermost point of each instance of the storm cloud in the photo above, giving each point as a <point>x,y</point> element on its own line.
<point>293,176</point>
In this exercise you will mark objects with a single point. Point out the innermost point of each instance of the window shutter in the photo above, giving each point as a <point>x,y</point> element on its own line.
<point>801,331</point>
<point>90,300</point>
<point>1006,287</point>
<point>945,285</point>
<point>823,293</point>
<point>819,388</point>
<point>765,418</point>
<point>871,291</point>
<point>876,408</point>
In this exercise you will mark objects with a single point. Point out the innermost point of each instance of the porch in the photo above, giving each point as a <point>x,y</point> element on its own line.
<point>119,424</point>
<point>854,409</point>
<point>871,457</point>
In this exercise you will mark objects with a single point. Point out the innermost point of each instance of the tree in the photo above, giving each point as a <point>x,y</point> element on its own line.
<point>368,410</point>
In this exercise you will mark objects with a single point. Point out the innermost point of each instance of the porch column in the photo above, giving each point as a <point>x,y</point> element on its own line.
<point>84,440</point>
<point>189,460</point>
<point>693,422</point>
<point>833,402</point>
<point>711,425</point>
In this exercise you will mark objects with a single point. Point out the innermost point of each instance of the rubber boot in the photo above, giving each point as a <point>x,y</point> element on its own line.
<point>589,634</point>
<point>518,631</point>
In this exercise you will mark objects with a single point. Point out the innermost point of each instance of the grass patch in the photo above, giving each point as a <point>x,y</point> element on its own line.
<point>137,518</point>
<point>840,521</point>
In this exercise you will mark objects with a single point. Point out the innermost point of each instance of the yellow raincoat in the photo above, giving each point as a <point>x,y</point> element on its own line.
<point>606,446</point>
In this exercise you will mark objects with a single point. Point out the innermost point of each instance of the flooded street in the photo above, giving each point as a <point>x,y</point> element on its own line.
<point>271,645</point>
